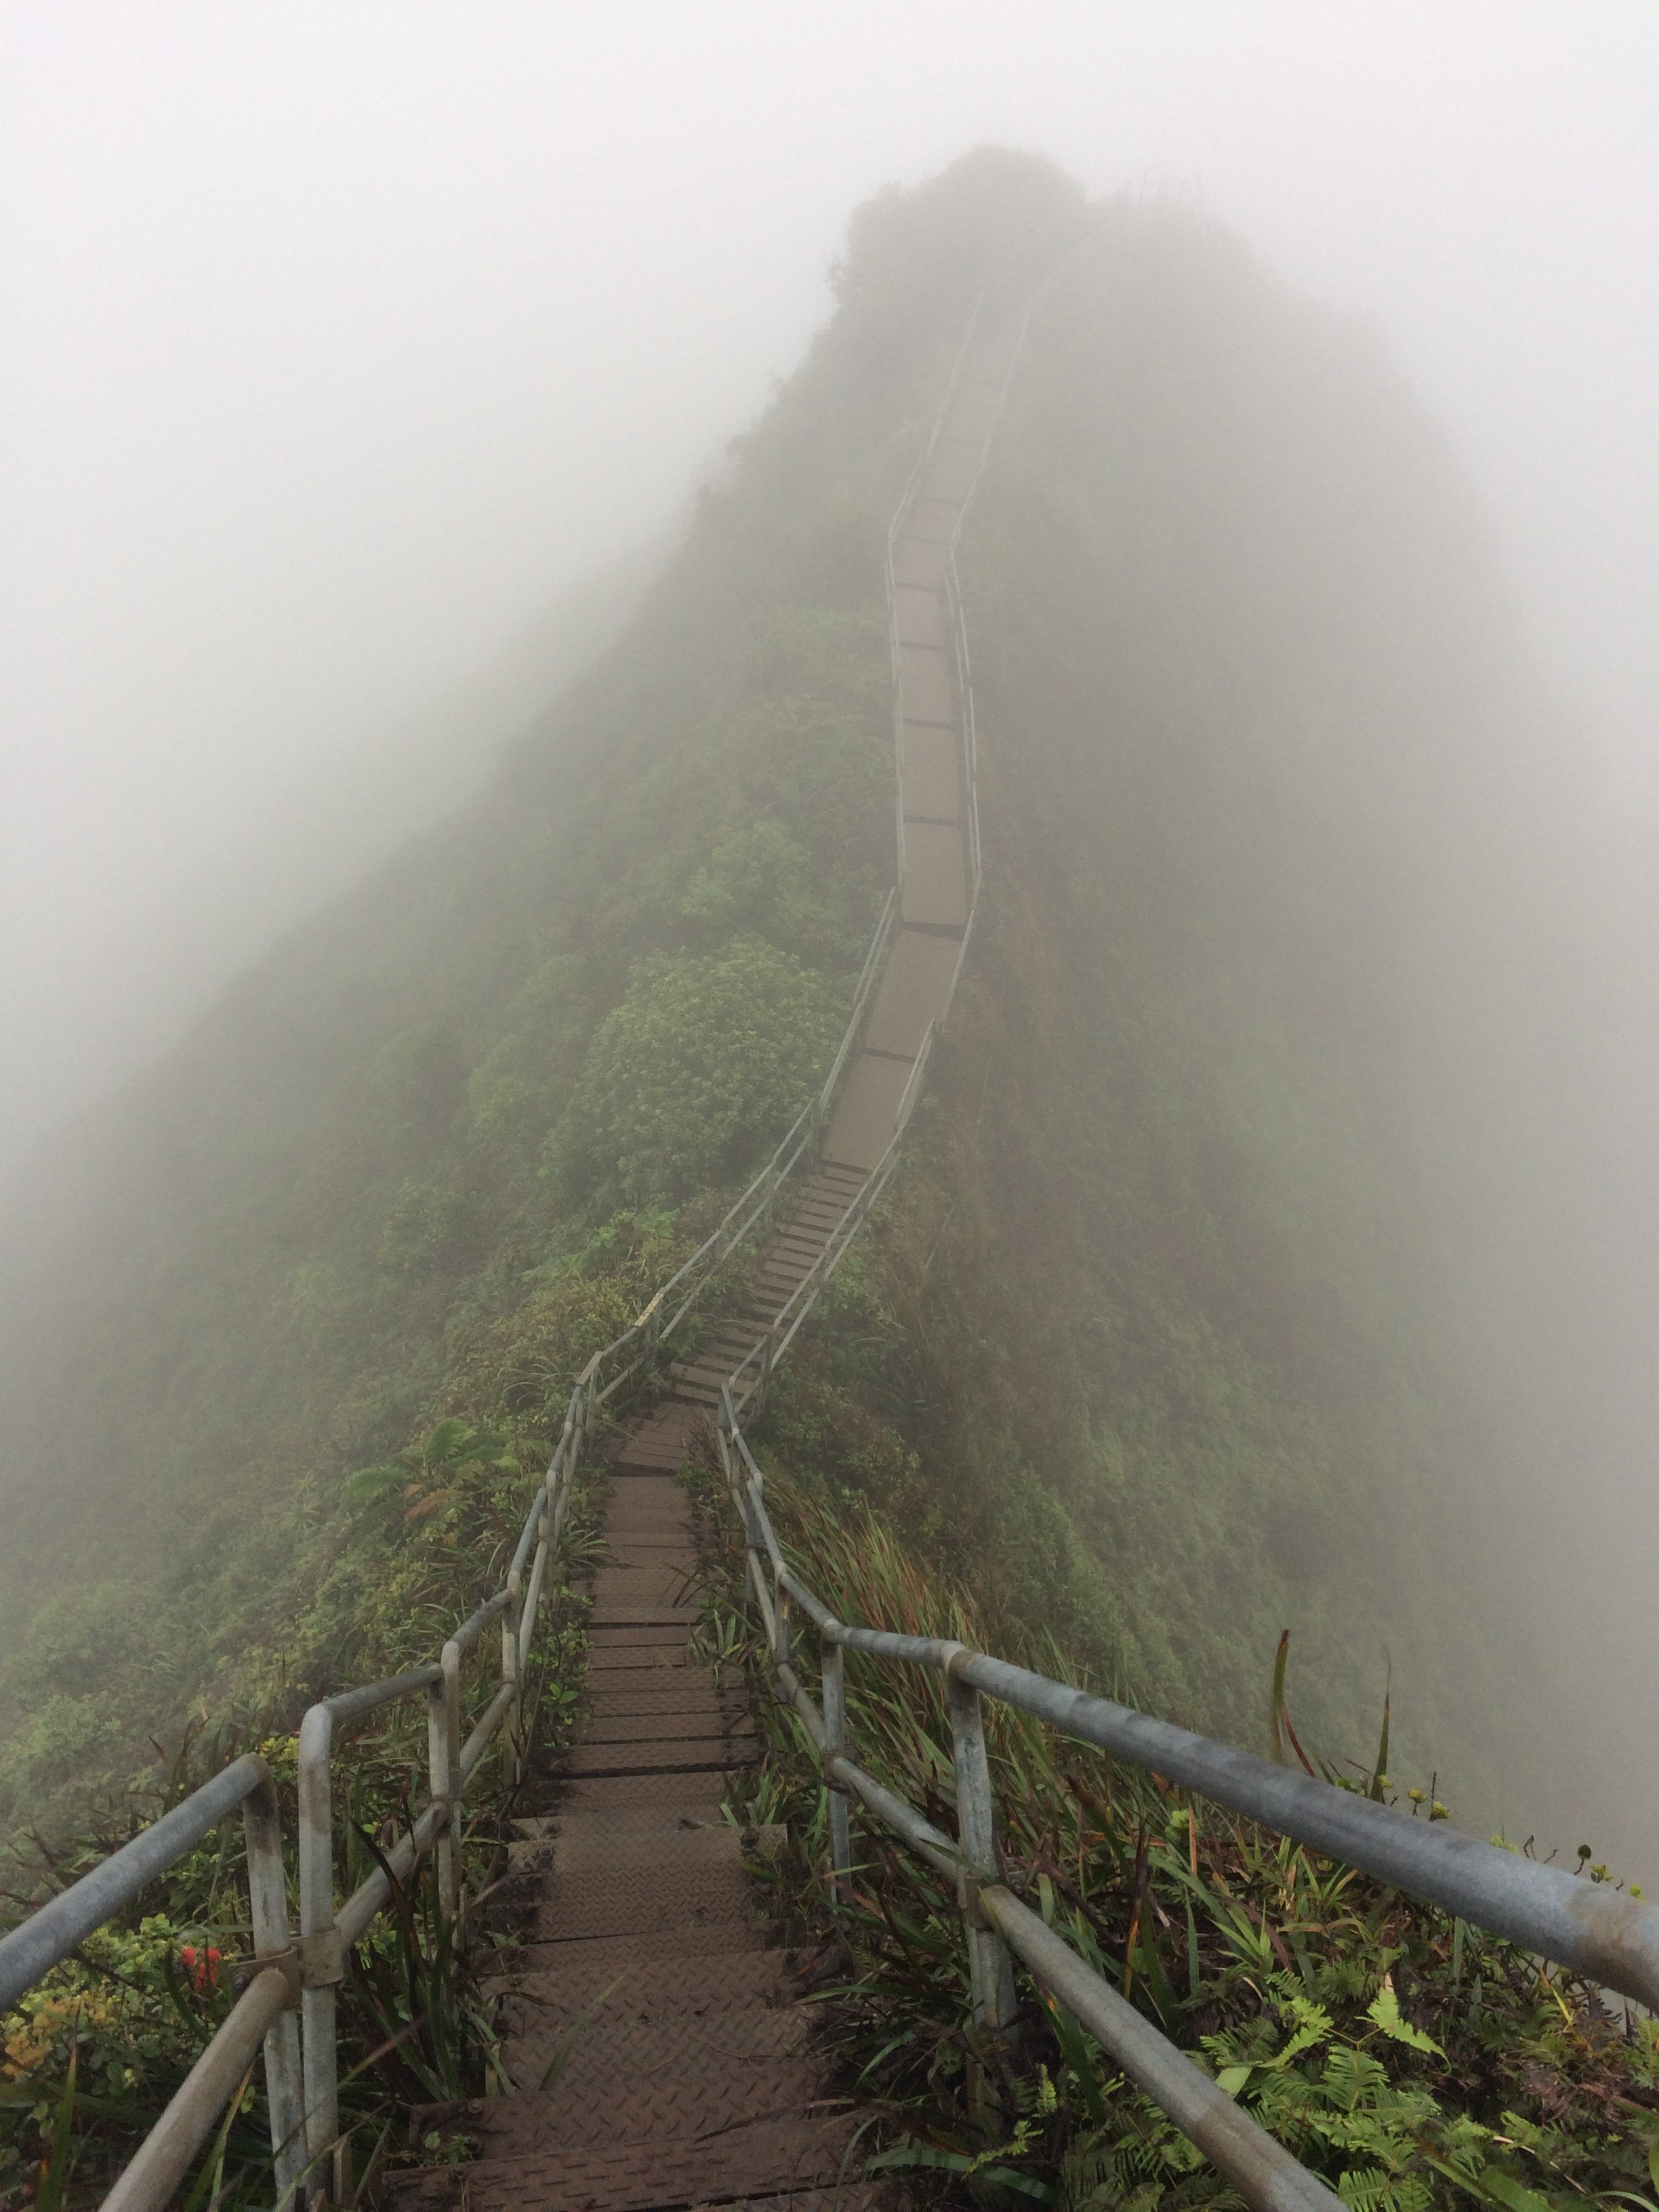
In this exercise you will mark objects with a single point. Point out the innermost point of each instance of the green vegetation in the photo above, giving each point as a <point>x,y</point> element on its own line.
<point>96,2049</point>
<point>1155,1342</point>
<point>1407,2058</point>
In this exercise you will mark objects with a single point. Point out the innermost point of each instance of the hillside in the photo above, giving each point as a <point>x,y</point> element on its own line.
<point>1159,1335</point>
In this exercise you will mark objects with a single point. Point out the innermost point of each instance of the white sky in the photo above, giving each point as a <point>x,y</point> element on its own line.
<point>336,339</point>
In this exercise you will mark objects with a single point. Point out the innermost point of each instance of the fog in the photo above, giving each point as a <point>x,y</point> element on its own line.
<point>342,343</point>
<point>354,360</point>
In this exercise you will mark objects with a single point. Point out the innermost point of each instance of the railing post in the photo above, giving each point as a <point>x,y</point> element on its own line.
<point>443,1745</point>
<point>437,1775</point>
<point>321,1966</point>
<point>832,1682</point>
<point>267,1896</point>
<point>513,1727</point>
<point>532,1604</point>
<point>990,1966</point>
<point>781,1653</point>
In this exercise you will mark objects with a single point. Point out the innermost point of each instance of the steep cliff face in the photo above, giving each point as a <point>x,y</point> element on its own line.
<point>1157,1332</point>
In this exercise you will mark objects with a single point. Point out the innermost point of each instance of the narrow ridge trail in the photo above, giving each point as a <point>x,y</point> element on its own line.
<point>660,2053</point>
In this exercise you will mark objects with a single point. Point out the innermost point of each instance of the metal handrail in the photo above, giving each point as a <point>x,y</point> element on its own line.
<point>999,1925</point>
<point>1608,1936</point>
<point>263,2013</point>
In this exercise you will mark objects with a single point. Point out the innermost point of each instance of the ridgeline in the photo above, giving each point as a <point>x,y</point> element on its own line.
<point>1154,1342</point>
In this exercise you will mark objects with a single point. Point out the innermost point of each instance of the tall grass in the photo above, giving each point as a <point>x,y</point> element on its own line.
<point>1409,2059</point>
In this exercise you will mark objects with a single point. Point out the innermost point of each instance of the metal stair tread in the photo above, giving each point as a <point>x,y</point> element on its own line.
<point>794,2161</point>
<point>640,1978</point>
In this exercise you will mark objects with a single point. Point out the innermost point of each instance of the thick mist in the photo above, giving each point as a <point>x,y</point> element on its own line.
<point>339,345</point>
<point>348,352</point>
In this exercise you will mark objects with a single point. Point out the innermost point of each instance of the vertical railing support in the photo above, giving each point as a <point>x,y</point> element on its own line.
<point>833,1680</point>
<point>443,1745</point>
<point>990,1966</point>
<point>267,1893</point>
<point>532,1603</point>
<point>437,1781</point>
<point>322,1968</point>
<point>512,1726</point>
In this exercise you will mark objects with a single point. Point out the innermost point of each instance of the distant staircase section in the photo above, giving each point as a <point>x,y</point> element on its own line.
<point>657,2039</point>
<point>798,1245</point>
<point>938,822</point>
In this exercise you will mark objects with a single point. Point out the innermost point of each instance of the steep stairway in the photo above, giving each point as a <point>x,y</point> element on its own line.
<point>652,2031</point>
<point>660,2052</point>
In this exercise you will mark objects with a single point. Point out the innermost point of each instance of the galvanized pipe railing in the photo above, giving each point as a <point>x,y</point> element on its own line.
<point>1609,1937</point>
<point>263,2014</point>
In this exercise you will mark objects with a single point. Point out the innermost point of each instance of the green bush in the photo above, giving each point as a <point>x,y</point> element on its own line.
<point>704,1061</point>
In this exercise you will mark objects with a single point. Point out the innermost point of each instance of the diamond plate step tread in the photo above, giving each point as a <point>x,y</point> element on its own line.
<point>630,1979</point>
<point>714,1755</point>
<point>688,2077</point>
<point>608,1700</point>
<point>795,2161</point>
<point>661,1900</point>
<point>636,1797</point>
<point>664,1728</point>
<point>610,1850</point>
<point>590,1964</point>
<point>613,1615</point>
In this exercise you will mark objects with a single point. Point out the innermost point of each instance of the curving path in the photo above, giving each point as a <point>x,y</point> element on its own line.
<point>661,2057</point>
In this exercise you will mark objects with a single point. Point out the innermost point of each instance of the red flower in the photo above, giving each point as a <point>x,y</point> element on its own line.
<point>201,1966</point>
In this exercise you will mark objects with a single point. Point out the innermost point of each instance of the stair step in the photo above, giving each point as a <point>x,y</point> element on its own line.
<point>792,2163</point>
<point>637,1616</point>
<point>610,1850</point>
<point>714,1754</point>
<point>679,1695</point>
<point>655,1900</point>
<point>714,2075</point>
<point>641,1801</point>
<point>708,1726</point>
<point>565,1981</point>
<point>585,1850</point>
